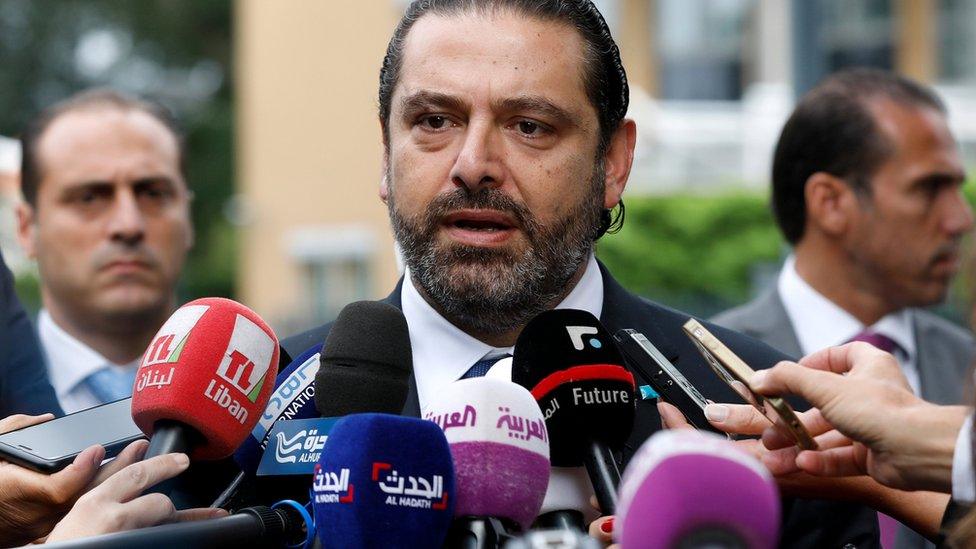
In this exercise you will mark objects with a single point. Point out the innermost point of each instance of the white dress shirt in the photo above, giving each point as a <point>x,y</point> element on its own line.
<point>820,323</point>
<point>442,352</point>
<point>69,362</point>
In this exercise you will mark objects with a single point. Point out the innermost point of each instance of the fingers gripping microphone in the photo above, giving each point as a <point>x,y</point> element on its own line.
<point>693,489</point>
<point>383,481</point>
<point>366,361</point>
<point>569,362</point>
<point>205,379</point>
<point>500,447</point>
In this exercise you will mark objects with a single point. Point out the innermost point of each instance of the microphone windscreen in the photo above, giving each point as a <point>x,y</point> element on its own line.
<point>292,398</point>
<point>366,361</point>
<point>686,484</point>
<point>383,481</point>
<point>572,367</point>
<point>500,448</point>
<point>209,367</point>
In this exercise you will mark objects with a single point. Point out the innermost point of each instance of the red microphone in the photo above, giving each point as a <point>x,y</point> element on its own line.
<point>205,379</point>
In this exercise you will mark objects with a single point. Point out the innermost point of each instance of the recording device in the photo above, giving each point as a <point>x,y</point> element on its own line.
<point>367,353</point>
<point>570,364</point>
<point>250,527</point>
<point>657,371</point>
<point>731,369</point>
<point>205,379</point>
<point>500,447</point>
<point>292,398</point>
<point>693,489</point>
<point>51,446</point>
<point>384,481</point>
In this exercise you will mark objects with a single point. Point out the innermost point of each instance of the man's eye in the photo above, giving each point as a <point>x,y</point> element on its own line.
<point>529,128</point>
<point>435,122</point>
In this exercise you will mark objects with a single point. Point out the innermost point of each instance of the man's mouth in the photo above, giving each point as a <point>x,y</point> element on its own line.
<point>480,227</point>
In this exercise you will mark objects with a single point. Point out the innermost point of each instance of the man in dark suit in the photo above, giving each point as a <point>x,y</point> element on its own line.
<point>506,152</point>
<point>24,387</point>
<point>867,188</point>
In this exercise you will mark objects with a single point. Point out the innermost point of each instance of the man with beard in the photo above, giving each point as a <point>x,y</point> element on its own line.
<point>107,217</point>
<point>506,150</point>
<point>867,188</point>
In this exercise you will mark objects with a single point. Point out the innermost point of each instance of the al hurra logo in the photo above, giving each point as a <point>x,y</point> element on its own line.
<point>417,492</point>
<point>168,344</point>
<point>247,358</point>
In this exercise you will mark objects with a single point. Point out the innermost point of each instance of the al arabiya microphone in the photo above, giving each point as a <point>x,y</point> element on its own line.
<point>696,490</point>
<point>205,379</point>
<point>570,364</point>
<point>500,446</point>
<point>383,481</point>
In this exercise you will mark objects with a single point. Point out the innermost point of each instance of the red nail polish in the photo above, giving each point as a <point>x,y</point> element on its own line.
<point>607,526</point>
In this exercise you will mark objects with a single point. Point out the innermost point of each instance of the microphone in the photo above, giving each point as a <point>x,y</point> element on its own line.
<point>204,379</point>
<point>249,527</point>
<point>500,447</point>
<point>569,362</point>
<point>383,481</point>
<point>366,361</point>
<point>695,489</point>
<point>567,501</point>
<point>292,398</point>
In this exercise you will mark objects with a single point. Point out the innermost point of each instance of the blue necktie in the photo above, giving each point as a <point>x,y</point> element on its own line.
<point>481,367</point>
<point>109,384</point>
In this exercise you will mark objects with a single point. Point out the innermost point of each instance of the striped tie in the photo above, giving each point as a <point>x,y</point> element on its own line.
<point>481,367</point>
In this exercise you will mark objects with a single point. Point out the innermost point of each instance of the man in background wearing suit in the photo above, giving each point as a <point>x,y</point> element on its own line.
<point>867,189</point>
<point>505,151</point>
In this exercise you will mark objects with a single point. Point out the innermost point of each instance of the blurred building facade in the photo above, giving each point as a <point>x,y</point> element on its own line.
<point>712,83</point>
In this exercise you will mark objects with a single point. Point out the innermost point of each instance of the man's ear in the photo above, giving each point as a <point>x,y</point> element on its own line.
<point>831,203</point>
<point>27,229</point>
<point>384,179</point>
<point>618,161</point>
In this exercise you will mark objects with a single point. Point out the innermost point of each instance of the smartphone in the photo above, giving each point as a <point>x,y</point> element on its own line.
<point>658,372</point>
<point>730,368</point>
<point>53,445</point>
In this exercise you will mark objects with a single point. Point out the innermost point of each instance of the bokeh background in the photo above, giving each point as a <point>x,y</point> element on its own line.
<point>279,103</point>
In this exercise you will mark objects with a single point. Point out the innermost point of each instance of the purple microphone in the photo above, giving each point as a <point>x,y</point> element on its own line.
<point>500,446</point>
<point>694,489</point>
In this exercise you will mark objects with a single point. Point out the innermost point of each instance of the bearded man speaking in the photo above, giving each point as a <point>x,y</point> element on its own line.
<point>506,154</point>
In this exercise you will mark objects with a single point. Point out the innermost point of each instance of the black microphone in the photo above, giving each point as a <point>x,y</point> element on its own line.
<point>569,362</point>
<point>366,362</point>
<point>249,527</point>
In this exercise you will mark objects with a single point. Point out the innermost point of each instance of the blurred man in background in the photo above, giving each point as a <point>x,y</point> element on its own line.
<point>867,187</point>
<point>106,216</point>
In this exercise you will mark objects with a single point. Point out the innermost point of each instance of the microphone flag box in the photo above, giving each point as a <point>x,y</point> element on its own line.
<point>294,446</point>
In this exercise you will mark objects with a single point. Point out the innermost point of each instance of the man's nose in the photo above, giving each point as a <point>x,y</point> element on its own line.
<point>127,223</point>
<point>959,215</point>
<point>479,161</point>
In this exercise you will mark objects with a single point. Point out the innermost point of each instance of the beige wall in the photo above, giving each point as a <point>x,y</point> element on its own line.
<point>308,140</point>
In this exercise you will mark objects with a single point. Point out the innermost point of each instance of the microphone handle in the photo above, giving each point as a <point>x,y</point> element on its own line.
<point>171,436</point>
<point>250,527</point>
<point>477,533</point>
<point>563,519</point>
<point>604,475</point>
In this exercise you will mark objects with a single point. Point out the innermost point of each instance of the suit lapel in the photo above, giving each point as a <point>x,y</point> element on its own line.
<point>411,407</point>
<point>773,325</point>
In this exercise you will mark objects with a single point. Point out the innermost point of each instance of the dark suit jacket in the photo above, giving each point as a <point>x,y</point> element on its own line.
<point>806,523</point>
<point>24,386</point>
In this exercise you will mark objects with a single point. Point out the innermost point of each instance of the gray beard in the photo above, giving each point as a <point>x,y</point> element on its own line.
<point>495,291</point>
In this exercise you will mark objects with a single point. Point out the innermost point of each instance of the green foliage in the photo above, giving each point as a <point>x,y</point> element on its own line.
<point>694,251</point>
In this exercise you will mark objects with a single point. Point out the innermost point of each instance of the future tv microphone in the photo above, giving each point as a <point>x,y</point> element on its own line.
<point>569,362</point>
<point>383,481</point>
<point>366,361</point>
<point>205,379</point>
<point>500,447</point>
<point>694,489</point>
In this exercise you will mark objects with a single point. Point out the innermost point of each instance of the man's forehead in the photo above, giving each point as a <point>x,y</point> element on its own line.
<point>501,53</point>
